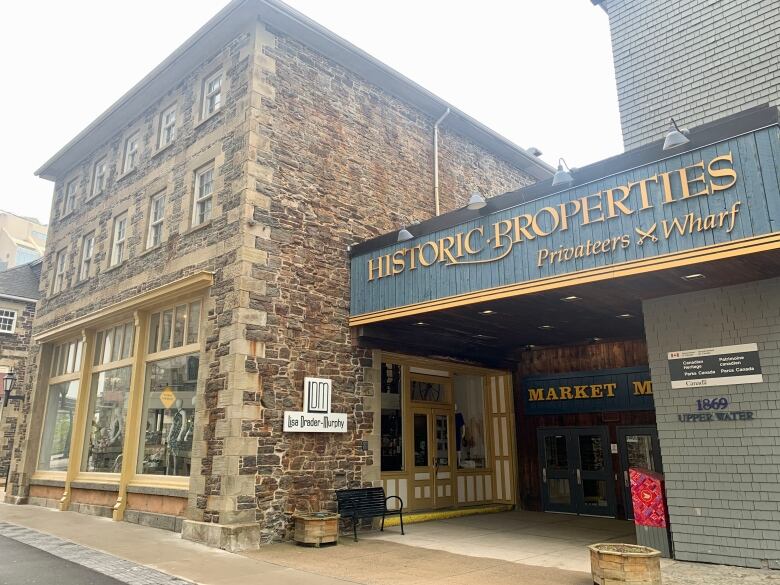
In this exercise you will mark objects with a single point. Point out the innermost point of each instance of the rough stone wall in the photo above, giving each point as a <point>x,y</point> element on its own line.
<point>337,161</point>
<point>696,61</point>
<point>184,251</point>
<point>722,478</point>
<point>13,354</point>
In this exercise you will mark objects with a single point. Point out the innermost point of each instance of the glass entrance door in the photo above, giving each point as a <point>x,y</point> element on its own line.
<point>638,447</point>
<point>577,471</point>
<point>432,443</point>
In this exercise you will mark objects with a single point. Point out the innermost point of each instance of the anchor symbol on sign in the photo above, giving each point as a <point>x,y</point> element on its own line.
<point>648,233</point>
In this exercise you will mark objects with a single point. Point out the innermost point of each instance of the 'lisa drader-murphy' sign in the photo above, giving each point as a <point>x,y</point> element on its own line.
<point>316,416</point>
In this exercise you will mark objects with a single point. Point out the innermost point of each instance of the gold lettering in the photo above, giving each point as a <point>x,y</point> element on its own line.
<point>371,269</point>
<point>522,230</point>
<point>467,243</point>
<point>610,388</point>
<point>579,391</point>
<point>535,394</point>
<point>499,235</point>
<point>586,209</point>
<point>643,195</point>
<point>613,203</point>
<point>398,261</point>
<point>595,391</point>
<point>551,394</point>
<point>666,186</point>
<point>565,392</point>
<point>433,246</point>
<point>555,221</point>
<point>542,256</point>
<point>644,387</point>
<point>445,245</point>
<point>565,216</point>
<point>686,181</point>
<point>720,173</point>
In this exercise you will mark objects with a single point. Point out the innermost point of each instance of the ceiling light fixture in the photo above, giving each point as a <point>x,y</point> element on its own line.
<point>477,201</point>
<point>546,327</point>
<point>487,312</point>
<point>561,176</point>
<point>624,316</point>
<point>697,276</point>
<point>404,235</point>
<point>676,136</point>
<point>571,298</point>
<point>420,324</point>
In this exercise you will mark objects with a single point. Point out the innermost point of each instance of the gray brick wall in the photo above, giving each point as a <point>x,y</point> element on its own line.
<point>722,478</point>
<point>697,60</point>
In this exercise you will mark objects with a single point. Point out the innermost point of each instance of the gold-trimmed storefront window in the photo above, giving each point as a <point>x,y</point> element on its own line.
<point>170,383</point>
<point>109,397</point>
<point>59,414</point>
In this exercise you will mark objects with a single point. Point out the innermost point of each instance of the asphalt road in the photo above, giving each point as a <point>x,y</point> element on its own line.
<point>21,564</point>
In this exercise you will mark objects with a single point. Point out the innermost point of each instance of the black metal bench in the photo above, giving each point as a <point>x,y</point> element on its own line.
<point>360,503</point>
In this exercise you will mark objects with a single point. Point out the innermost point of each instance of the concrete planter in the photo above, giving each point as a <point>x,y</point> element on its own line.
<point>625,564</point>
<point>316,528</point>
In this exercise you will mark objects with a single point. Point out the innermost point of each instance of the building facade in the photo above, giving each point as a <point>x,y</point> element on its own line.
<point>18,296</point>
<point>22,240</point>
<point>201,272</point>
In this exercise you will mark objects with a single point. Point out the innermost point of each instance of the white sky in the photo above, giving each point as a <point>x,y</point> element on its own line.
<point>538,72</point>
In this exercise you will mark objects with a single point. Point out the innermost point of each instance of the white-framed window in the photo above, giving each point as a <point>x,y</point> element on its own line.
<point>87,252</point>
<point>70,196</point>
<point>59,271</point>
<point>118,239</point>
<point>204,190</point>
<point>167,127</point>
<point>131,153</point>
<point>156,216</point>
<point>212,94</point>
<point>99,175</point>
<point>7,321</point>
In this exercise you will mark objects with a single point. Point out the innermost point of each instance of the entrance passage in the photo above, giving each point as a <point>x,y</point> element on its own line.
<point>577,471</point>
<point>432,480</point>
<point>638,447</point>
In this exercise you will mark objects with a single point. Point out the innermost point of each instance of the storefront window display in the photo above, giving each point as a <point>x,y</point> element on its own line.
<point>58,426</point>
<point>109,396</point>
<point>392,419</point>
<point>168,416</point>
<point>469,422</point>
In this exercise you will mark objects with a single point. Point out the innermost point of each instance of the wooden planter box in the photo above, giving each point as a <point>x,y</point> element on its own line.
<point>625,564</point>
<point>316,528</point>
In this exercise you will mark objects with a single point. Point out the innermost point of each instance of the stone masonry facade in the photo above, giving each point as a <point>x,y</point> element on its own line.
<point>13,355</point>
<point>722,478</point>
<point>696,61</point>
<point>309,159</point>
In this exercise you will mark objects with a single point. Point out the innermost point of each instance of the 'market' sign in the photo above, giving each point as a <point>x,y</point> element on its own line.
<point>715,366</point>
<point>316,416</point>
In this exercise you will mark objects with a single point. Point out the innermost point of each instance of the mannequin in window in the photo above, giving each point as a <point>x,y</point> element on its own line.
<point>460,428</point>
<point>177,432</point>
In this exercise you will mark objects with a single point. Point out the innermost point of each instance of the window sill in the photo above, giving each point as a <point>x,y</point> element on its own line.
<point>95,196</point>
<point>199,227</point>
<point>152,249</point>
<point>81,282</point>
<point>163,148</point>
<point>207,118</point>
<point>126,174</point>
<point>115,267</point>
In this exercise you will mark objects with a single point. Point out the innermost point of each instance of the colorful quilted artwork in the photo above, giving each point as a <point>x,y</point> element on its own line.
<point>647,494</point>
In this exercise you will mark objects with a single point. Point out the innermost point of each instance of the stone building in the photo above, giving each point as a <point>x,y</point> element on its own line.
<point>197,271</point>
<point>18,295</point>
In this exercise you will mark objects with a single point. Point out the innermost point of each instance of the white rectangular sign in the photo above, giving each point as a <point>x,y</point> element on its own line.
<point>316,394</point>
<point>715,366</point>
<point>312,422</point>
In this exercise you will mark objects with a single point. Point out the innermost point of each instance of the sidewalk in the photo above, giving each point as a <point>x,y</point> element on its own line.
<point>372,561</point>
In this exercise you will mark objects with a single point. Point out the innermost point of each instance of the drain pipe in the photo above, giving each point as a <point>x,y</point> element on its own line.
<point>436,159</point>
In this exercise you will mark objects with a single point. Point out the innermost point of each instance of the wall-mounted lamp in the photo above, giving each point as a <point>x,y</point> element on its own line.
<point>676,136</point>
<point>561,176</point>
<point>404,235</point>
<point>477,201</point>
<point>9,381</point>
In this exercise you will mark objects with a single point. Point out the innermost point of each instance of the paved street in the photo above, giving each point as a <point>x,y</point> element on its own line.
<point>23,564</point>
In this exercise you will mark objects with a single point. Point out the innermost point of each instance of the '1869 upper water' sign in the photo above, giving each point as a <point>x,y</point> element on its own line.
<point>715,366</point>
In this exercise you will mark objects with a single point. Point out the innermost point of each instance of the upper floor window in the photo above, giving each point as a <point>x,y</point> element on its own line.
<point>131,154</point>
<point>156,215</point>
<point>70,197</point>
<point>66,358</point>
<point>167,127</point>
<point>59,271</point>
<point>204,188</point>
<point>212,94</point>
<point>114,344</point>
<point>25,255</point>
<point>118,239</point>
<point>7,321</point>
<point>99,176</point>
<point>87,252</point>
<point>175,326</point>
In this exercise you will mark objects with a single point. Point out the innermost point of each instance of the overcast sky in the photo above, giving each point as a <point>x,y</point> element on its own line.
<point>540,73</point>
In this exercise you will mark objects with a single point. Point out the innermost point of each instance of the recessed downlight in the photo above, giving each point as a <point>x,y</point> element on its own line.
<point>624,316</point>
<point>696,276</point>
<point>571,299</point>
<point>483,336</point>
<point>420,324</point>
<point>546,327</point>
<point>596,339</point>
<point>487,312</point>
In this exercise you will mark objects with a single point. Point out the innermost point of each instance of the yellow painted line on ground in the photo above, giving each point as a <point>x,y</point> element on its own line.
<point>415,517</point>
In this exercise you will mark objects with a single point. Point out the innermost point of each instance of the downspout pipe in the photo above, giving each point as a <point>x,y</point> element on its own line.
<point>436,160</point>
